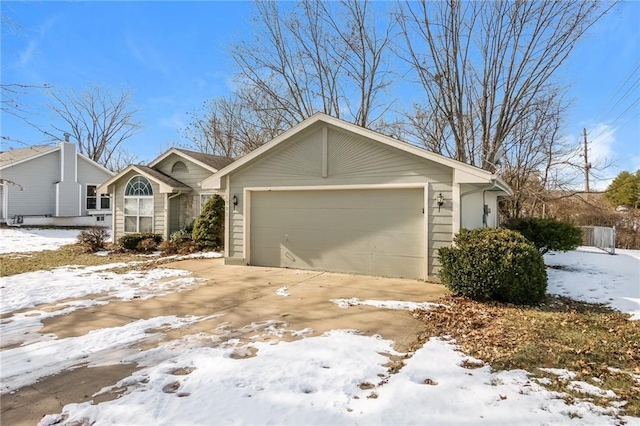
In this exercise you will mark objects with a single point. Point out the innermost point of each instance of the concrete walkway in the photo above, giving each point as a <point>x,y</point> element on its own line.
<point>244,299</point>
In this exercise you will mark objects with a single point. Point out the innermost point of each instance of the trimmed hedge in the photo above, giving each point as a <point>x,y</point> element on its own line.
<point>208,230</point>
<point>132,241</point>
<point>547,234</point>
<point>494,264</point>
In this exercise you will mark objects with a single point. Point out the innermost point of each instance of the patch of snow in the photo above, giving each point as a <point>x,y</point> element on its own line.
<point>24,365</point>
<point>282,291</point>
<point>302,332</point>
<point>589,389</point>
<point>322,380</point>
<point>387,304</point>
<point>22,240</point>
<point>34,288</point>
<point>102,253</point>
<point>597,278</point>
<point>50,420</point>
<point>560,372</point>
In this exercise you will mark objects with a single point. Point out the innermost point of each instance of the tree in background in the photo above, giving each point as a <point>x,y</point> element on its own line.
<point>483,66</point>
<point>625,190</point>
<point>234,125</point>
<point>98,120</point>
<point>317,56</point>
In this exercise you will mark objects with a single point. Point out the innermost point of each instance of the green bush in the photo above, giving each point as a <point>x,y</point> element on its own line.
<point>208,230</point>
<point>494,264</point>
<point>132,241</point>
<point>547,234</point>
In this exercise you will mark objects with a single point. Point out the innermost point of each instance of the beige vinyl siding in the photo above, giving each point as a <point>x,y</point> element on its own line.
<point>37,177</point>
<point>186,207</point>
<point>365,231</point>
<point>351,160</point>
<point>192,177</point>
<point>158,206</point>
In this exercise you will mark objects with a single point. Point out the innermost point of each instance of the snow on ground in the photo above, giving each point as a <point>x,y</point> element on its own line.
<point>20,240</point>
<point>337,378</point>
<point>385,304</point>
<point>59,287</point>
<point>69,282</point>
<point>24,365</point>
<point>597,277</point>
<point>340,377</point>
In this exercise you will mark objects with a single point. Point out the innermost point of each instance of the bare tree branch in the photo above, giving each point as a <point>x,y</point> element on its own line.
<point>98,120</point>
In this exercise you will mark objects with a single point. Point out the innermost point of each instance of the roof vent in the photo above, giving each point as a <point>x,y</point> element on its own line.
<point>66,137</point>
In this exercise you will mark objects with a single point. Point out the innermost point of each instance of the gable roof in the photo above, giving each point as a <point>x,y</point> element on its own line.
<point>464,173</point>
<point>14,157</point>
<point>20,155</point>
<point>213,163</point>
<point>166,183</point>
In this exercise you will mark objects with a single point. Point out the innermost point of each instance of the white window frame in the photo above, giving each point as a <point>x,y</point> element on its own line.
<point>98,198</point>
<point>138,199</point>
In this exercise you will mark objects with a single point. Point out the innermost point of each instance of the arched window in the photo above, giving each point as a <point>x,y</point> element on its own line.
<point>138,205</point>
<point>179,167</point>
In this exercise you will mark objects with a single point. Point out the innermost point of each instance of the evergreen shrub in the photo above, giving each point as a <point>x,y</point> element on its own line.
<point>494,264</point>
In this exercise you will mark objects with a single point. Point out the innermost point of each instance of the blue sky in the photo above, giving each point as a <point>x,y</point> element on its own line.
<point>172,56</point>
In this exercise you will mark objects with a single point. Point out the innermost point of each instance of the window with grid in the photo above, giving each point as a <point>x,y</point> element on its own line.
<point>138,205</point>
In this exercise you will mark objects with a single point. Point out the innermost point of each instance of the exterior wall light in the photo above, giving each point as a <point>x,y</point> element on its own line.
<point>234,201</point>
<point>440,201</point>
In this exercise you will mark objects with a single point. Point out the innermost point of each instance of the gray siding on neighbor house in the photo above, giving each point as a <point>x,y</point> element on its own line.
<point>90,174</point>
<point>68,190</point>
<point>351,160</point>
<point>37,177</point>
<point>118,202</point>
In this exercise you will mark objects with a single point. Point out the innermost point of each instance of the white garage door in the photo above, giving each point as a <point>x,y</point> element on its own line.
<point>372,231</point>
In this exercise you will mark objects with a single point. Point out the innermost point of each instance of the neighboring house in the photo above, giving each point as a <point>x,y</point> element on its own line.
<point>52,185</point>
<point>164,196</point>
<point>329,195</point>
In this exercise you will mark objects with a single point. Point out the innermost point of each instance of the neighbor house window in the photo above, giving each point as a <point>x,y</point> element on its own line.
<point>97,201</point>
<point>138,205</point>
<point>203,199</point>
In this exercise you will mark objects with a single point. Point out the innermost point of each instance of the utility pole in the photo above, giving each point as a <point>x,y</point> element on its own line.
<point>587,165</point>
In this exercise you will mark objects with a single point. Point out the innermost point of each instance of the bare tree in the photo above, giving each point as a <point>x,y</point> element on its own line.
<point>538,161</point>
<point>483,64</point>
<point>235,125</point>
<point>98,120</point>
<point>318,56</point>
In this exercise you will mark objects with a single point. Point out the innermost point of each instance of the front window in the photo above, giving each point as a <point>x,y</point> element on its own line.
<point>138,205</point>
<point>97,201</point>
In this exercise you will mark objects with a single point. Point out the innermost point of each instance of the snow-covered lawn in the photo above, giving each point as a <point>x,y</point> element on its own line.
<point>340,377</point>
<point>20,240</point>
<point>593,276</point>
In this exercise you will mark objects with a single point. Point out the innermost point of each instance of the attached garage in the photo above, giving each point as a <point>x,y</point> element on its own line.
<point>364,231</point>
<point>331,196</point>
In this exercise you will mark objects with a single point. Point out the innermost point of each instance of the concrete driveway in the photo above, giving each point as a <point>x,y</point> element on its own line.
<point>241,300</point>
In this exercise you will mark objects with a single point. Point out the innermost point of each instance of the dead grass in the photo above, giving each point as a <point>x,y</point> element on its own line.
<point>601,346</point>
<point>18,263</point>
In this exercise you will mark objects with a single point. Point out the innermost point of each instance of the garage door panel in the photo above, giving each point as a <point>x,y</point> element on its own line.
<point>344,219</point>
<point>375,232</point>
<point>345,242</point>
<point>394,199</point>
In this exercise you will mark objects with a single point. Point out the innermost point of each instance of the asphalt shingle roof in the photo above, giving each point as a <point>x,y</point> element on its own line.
<point>215,161</point>
<point>16,155</point>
